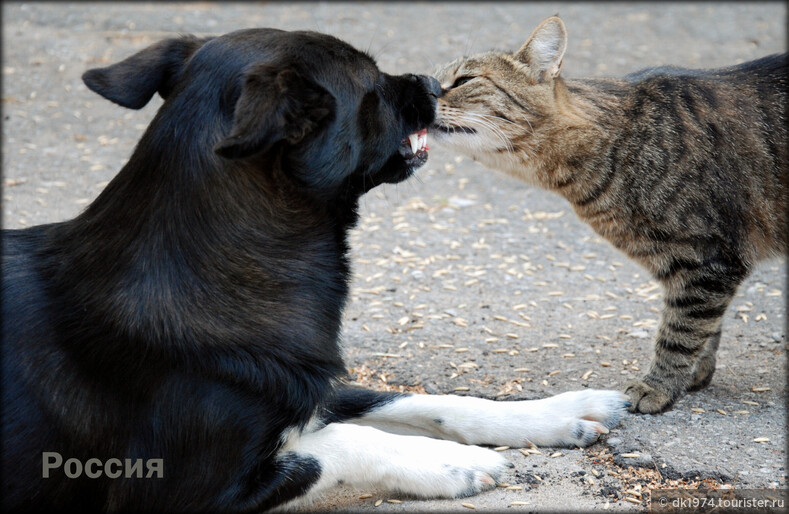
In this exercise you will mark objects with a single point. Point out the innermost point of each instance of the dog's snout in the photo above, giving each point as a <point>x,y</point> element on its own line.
<point>431,84</point>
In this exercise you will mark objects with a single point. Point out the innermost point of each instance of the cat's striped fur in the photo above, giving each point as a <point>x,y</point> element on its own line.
<point>685,171</point>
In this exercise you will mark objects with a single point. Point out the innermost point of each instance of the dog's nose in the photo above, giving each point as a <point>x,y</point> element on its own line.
<point>431,84</point>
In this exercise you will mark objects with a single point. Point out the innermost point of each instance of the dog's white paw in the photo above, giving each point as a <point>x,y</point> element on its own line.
<point>445,469</point>
<point>579,417</point>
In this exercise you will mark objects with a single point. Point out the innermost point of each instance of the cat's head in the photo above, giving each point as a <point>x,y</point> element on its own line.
<point>500,107</point>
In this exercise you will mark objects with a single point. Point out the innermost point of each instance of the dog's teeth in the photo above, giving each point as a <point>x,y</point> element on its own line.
<point>414,140</point>
<point>422,141</point>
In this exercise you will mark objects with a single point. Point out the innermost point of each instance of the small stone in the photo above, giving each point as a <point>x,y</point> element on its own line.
<point>634,458</point>
<point>431,389</point>
<point>460,202</point>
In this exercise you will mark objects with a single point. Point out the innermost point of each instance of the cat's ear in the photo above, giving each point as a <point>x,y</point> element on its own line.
<point>544,50</point>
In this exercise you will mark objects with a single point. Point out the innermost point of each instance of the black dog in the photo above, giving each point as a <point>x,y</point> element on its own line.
<point>175,346</point>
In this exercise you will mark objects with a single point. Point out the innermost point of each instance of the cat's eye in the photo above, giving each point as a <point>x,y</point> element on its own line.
<point>461,80</point>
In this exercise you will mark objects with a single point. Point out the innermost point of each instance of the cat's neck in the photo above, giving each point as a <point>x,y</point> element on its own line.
<point>581,132</point>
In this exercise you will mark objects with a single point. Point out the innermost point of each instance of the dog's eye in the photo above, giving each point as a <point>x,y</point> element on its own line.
<point>461,80</point>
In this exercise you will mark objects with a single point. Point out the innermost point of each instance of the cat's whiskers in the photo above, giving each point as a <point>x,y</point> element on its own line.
<point>523,150</point>
<point>470,118</point>
<point>505,120</point>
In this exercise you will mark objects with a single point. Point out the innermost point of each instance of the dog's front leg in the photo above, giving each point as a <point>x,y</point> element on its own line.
<point>574,418</point>
<point>365,457</point>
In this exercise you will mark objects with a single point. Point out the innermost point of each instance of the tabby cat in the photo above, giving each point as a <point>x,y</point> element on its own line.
<point>685,171</point>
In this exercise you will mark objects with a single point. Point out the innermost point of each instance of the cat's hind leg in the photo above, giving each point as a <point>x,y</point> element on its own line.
<point>696,297</point>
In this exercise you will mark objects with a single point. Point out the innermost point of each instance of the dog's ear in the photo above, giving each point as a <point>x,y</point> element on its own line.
<point>133,81</point>
<point>275,104</point>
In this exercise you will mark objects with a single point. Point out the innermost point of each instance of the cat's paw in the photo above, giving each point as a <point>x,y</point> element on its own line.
<point>581,416</point>
<point>646,399</point>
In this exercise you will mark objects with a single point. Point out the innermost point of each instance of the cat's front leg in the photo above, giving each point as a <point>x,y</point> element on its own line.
<point>688,335</point>
<point>705,365</point>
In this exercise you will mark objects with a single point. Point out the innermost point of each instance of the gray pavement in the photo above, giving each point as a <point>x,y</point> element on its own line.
<point>464,278</point>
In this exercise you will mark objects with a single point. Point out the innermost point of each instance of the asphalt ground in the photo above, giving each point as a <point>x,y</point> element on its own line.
<point>465,280</point>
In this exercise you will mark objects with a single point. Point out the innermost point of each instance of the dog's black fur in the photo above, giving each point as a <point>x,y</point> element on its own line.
<point>191,312</point>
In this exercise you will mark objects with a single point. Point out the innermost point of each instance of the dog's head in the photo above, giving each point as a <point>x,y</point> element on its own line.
<point>312,104</point>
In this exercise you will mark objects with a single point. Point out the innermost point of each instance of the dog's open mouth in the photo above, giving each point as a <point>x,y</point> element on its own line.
<point>414,148</point>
